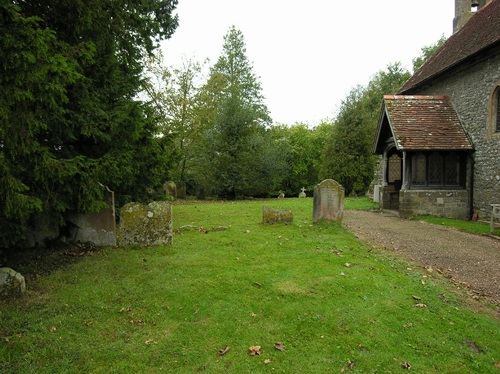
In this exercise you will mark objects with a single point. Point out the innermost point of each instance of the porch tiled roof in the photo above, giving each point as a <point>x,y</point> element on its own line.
<point>479,34</point>
<point>424,123</point>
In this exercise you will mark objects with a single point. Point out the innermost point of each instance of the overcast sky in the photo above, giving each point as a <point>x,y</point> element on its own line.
<point>310,54</point>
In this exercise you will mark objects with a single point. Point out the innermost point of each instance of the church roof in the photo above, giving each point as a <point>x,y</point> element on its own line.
<point>420,123</point>
<point>479,34</point>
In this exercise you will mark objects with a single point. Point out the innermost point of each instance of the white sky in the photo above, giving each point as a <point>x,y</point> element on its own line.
<point>310,54</point>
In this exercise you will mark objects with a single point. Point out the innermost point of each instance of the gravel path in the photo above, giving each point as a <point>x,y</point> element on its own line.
<point>469,260</point>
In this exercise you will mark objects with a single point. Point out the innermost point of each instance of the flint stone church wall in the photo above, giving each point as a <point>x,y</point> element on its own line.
<point>470,91</point>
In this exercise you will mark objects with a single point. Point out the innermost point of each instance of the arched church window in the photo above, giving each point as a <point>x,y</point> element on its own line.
<point>497,112</point>
<point>494,113</point>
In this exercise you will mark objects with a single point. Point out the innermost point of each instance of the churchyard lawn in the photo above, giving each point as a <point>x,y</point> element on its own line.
<point>313,298</point>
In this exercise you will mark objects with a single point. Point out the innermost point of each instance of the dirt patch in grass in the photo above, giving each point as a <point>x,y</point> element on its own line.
<point>470,261</point>
<point>35,262</point>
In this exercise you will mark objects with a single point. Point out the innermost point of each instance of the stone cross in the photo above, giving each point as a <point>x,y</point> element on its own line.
<point>303,192</point>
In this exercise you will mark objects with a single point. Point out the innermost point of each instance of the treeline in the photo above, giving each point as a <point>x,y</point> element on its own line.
<point>225,144</point>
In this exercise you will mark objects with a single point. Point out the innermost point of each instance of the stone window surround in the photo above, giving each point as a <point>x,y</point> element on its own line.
<point>494,113</point>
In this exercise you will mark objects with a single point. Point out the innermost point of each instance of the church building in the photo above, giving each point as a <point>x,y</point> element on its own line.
<point>439,137</point>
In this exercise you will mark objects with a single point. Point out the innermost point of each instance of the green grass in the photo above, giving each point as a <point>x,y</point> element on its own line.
<point>334,302</point>
<point>472,227</point>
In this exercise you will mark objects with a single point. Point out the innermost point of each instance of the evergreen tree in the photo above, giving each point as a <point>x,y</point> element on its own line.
<point>237,117</point>
<point>68,118</point>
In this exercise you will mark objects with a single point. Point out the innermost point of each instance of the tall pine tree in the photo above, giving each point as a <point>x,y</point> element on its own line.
<point>230,165</point>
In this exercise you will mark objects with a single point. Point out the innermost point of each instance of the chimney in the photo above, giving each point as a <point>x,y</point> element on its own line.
<point>464,10</point>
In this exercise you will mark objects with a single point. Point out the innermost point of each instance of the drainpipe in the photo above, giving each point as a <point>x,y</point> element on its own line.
<point>471,194</point>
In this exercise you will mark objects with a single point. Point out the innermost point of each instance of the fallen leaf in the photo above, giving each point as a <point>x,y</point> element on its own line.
<point>350,365</point>
<point>406,366</point>
<point>342,273</point>
<point>347,265</point>
<point>416,297</point>
<point>420,305</point>
<point>258,284</point>
<point>279,346</point>
<point>53,328</point>
<point>150,341</point>
<point>222,352</point>
<point>267,361</point>
<point>253,314</point>
<point>254,350</point>
<point>497,365</point>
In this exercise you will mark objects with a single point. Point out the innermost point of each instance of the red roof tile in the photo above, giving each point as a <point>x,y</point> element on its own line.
<point>480,33</point>
<point>422,123</point>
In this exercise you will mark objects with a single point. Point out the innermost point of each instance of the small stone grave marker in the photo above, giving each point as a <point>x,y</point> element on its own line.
<point>273,215</point>
<point>146,224</point>
<point>328,201</point>
<point>12,283</point>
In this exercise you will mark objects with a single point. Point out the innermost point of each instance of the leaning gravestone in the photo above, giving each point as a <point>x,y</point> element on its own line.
<point>146,224</point>
<point>328,201</point>
<point>99,227</point>
<point>273,215</point>
<point>12,283</point>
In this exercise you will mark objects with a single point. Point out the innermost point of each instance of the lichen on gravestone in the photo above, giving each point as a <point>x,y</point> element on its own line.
<point>12,283</point>
<point>328,203</point>
<point>274,215</point>
<point>146,224</point>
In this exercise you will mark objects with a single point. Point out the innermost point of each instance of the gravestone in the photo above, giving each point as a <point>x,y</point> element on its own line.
<point>273,215</point>
<point>170,189</point>
<point>12,283</point>
<point>146,224</point>
<point>281,195</point>
<point>302,193</point>
<point>99,227</point>
<point>328,201</point>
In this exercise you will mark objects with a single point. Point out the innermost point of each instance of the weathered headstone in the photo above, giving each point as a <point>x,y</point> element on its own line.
<point>99,227</point>
<point>12,283</point>
<point>302,193</point>
<point>170,189</point>
<point>328,201</point>
<point>146,224</point>
<point>273,215</point>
